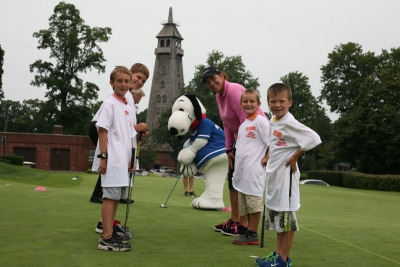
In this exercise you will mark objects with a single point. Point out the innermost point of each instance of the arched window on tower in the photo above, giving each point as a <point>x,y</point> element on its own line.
<point>164,98</point>
<point>179,85</point>
<point>158,99</point>
<point>179,74</point>
<point>162,84</point>
<point>163,70</point>
<point>158,110</point>
<point>162,43</point>
<point>168,42</point>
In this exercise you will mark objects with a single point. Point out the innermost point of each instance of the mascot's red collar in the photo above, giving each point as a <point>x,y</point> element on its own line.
<point>196,122</point>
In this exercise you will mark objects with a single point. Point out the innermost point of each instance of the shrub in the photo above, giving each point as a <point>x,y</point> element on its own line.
<point>371,182</point>
<point>13,159</point>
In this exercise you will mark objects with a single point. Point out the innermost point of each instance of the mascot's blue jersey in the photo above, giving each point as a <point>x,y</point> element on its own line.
<point>216,141</point>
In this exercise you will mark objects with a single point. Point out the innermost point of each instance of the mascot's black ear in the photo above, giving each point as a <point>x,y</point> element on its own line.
<point>196,106</point>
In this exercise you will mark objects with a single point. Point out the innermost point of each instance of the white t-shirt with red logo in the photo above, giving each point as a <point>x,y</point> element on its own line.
<point>286,137</point>
<point>251,146</point>
<point>116,118</point>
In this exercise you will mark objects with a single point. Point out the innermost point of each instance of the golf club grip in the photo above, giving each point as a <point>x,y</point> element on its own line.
<point>132,159</point>
<point>262,228</point>
<point>139,144</point>
<point>290,184</point>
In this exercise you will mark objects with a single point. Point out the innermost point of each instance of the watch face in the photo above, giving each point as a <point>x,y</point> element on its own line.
<point>104,154</point>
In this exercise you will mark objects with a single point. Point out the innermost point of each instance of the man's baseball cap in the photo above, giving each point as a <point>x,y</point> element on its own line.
<point>210,71</point>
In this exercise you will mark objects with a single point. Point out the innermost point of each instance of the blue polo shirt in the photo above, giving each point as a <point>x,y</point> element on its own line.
<point>216,141</point>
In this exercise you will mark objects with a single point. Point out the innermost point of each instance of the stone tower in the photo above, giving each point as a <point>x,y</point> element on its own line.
<point>168,71</point>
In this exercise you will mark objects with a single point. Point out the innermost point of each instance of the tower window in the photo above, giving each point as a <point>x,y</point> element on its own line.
<point>164,99</point>
<point>168,42</point>
<point>162,43</point>
<point>162,84</point>
<point>158,110</point>
<point>178,72</point>
<point>163,70</point>
<point>179,85</point>
<point>158,99</point>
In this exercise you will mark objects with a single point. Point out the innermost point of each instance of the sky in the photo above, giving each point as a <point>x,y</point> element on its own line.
<point>273,37</point>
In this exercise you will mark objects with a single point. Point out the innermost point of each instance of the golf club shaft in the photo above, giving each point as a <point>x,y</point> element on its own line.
<point>165,203</point>
<point>263,217</point>
<point>134,158</point>
<point>288,233</point>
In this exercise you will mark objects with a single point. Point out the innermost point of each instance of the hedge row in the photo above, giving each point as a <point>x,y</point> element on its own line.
<point>358,180</point>
<point>13,159</point>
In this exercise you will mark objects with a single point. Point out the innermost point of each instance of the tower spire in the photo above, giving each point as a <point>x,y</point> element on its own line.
<point>170,19</point>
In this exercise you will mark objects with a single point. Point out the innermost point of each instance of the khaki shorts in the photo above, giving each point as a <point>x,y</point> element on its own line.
<point>114,193</point>
<point>249,204</point>
<point>279,221</point>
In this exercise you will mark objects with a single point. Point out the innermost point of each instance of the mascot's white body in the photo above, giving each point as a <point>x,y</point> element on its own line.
<point>207,151</point>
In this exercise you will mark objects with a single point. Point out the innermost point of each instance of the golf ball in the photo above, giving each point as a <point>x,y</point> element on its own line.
<point>162,205</point>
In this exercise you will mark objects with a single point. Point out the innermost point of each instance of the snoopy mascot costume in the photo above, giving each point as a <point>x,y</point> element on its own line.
<point>206,153</point>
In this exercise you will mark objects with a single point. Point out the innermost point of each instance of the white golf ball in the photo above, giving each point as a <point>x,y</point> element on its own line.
<point>162,205</point>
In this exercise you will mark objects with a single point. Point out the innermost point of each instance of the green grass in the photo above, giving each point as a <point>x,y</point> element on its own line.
<point>338,226</point>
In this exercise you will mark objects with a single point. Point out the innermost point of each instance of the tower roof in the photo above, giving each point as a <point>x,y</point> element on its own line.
<point>170,28</point>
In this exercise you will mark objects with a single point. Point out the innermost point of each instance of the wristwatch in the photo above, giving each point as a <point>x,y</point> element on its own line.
<point>102,155</point>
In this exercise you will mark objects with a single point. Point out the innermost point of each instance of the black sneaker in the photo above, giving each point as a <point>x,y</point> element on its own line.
<point>226,224</point>
<point>112,244</point>
<point>234,230</point>
<point>125,201</point>
<point>119,229</point>
<point>186,193</point>
<point>192,194</point>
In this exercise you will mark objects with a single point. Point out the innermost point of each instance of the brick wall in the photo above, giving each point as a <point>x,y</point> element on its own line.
<point>78,146</point>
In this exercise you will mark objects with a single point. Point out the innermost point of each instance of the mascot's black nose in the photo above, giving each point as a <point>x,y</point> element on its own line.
<point>173,131</point>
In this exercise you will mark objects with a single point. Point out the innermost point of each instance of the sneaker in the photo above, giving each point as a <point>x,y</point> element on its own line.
<point>119,229</point>
<point>276,261</point>
<point>112,244</point>
<point>186,193</point>
<point>246,239</point>
<point>226,224</point>
<point>235,229</point>
<point>192,194</point>
<point>266,258</point>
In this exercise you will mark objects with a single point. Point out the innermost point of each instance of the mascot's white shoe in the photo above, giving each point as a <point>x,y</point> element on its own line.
<point>215,175</point>
<point>207,151</point>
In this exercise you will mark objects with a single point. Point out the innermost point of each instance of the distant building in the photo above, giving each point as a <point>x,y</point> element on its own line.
<point>167,81</point>
<point>51,151</point>
<point>341,167</point>
<point>168,72</point>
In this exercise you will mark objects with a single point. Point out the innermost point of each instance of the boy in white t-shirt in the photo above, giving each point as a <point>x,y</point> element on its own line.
<point>249,175</point>
<point>288,140</point>
<point>115,127</point>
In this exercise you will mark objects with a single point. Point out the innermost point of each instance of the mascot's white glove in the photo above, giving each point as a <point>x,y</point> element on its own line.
<point>189,170</point>
<point>187,155</point>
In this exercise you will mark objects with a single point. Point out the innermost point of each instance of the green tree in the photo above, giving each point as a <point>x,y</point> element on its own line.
<point>74,47</point>
<point>344,74</point>
<point>368,134</point>
<point>1,73</point>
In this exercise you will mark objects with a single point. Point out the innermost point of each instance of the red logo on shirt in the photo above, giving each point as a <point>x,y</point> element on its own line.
<point>126,112</point>
<point>251,128</point>
<point>277,134</point>
<point>251,135</point>
<point>281,142</point>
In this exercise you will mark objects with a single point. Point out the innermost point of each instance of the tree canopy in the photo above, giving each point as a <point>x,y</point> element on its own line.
<point>365,89</point>
<point>74,48</point>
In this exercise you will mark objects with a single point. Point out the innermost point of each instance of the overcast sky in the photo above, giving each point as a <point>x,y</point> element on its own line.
<point>273,37</point>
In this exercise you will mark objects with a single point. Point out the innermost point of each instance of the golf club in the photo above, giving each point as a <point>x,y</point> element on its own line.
<point>288,221</point>
<point>134,157</point>
<point>164,205</point>
<point>263,217</point>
